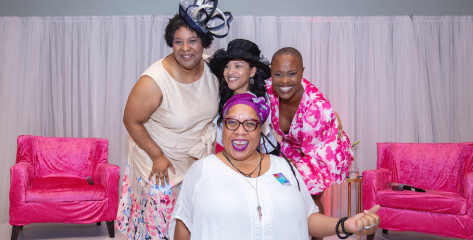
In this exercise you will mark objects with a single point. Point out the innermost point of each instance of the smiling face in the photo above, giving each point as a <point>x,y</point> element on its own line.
<point>240,144</point>
<point>286,75</point>
<point>237,74</point>
<point>187,48</point>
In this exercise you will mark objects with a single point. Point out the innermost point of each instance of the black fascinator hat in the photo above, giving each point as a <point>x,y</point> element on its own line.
<point>204,17</point>
<point>240,49</point>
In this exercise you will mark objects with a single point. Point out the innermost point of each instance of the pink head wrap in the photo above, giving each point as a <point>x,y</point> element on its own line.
<point>257,103</point>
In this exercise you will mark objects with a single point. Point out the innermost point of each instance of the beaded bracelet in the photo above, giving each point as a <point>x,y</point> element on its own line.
<point>342,222</point>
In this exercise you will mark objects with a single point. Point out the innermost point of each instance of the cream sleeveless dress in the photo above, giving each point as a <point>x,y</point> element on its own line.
<point>182,127</point>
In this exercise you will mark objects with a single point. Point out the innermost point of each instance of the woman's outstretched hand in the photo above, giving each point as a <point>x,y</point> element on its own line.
<point>160,169</point>
<point>364,223</point>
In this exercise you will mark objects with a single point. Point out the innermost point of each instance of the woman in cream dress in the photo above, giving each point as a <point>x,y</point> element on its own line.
<point>169,117</point>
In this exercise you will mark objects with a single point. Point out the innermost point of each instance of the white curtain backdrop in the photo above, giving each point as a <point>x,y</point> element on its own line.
<point>389,78</point>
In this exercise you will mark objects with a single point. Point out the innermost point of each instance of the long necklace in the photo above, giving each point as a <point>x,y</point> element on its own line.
<point>258,209</point>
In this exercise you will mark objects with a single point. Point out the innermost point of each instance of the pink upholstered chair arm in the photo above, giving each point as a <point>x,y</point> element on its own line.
<point>108,175</point>
<point>19,181</point>
<point>373,181</point>
<point>468,192</point>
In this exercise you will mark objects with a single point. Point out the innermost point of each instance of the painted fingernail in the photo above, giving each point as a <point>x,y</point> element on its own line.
<point>365,211</point>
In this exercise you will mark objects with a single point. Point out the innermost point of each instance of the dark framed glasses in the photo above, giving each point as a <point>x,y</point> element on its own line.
<point>233,124</point>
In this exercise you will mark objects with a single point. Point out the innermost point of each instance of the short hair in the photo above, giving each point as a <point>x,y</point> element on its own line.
<point>288,51</point>
<point>175,24</point>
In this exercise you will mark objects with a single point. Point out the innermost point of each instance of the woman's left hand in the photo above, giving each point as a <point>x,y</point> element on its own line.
<point>364,223</point>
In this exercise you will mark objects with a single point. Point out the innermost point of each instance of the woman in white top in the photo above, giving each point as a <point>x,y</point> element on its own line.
<point>240,193</point>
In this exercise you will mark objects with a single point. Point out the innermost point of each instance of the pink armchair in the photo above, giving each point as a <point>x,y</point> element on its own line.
<point>444,170</point>
<point>48,182</point>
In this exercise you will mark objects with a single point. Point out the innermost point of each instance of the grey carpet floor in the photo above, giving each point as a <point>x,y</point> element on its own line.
<point>57,231</point>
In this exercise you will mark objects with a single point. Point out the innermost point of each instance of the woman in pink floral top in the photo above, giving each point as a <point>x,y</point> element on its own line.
<point>304,118</point>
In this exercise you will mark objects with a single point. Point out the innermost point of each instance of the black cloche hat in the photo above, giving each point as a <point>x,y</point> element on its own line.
<point>240,49</point>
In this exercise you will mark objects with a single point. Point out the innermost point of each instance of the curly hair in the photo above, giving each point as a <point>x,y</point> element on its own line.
<point>226,93</point>
<point>176,23</point>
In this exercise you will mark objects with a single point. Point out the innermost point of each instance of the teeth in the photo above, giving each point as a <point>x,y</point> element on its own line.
<point>286,89</point>
<point>233,79</point>
<point>239,142</point>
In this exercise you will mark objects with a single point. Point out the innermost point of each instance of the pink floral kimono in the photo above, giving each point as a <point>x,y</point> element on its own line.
<point>312,143</point>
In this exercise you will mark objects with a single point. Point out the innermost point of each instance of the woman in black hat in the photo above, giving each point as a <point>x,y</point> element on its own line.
<point>169,121</point>
<point>240,69</point>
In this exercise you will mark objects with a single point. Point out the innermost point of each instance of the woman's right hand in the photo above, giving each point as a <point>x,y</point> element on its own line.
<point>160,169</point>
<point>364,223</point>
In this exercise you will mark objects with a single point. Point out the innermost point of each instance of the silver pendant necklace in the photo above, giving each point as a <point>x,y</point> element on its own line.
<point>258,209</point>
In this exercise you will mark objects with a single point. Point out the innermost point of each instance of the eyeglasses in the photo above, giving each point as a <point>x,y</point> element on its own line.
<point>233,124</point>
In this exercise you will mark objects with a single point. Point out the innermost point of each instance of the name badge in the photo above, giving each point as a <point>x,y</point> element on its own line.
<point>282,179</point>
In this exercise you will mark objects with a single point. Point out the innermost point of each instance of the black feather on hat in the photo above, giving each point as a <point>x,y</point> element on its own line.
<point>239,49</point>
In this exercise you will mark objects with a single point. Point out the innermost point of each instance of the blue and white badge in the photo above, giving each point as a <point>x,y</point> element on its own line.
<point>282,179</point>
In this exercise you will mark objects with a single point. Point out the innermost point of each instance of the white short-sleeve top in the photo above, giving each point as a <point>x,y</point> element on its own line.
<point>215,202</point>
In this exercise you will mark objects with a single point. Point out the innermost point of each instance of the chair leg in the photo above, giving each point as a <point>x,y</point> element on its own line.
<point>15,232</point>
<point>111,229</point>
<point>370,237</point>
<point>385,231</point>
<point>99,223</point>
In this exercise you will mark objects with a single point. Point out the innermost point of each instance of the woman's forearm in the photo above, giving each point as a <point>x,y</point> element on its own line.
<point>141,137</point>
<point>322,226</point>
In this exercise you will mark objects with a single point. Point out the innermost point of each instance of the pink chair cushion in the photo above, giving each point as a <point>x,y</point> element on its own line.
<point>431,201</point>
<point>62,189</point>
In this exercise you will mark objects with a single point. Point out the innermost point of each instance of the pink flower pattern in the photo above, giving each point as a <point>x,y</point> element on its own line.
<point>146,213</point>
<point>312,143</point>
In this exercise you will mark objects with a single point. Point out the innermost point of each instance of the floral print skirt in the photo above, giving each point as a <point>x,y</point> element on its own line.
<point>145,214</point>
